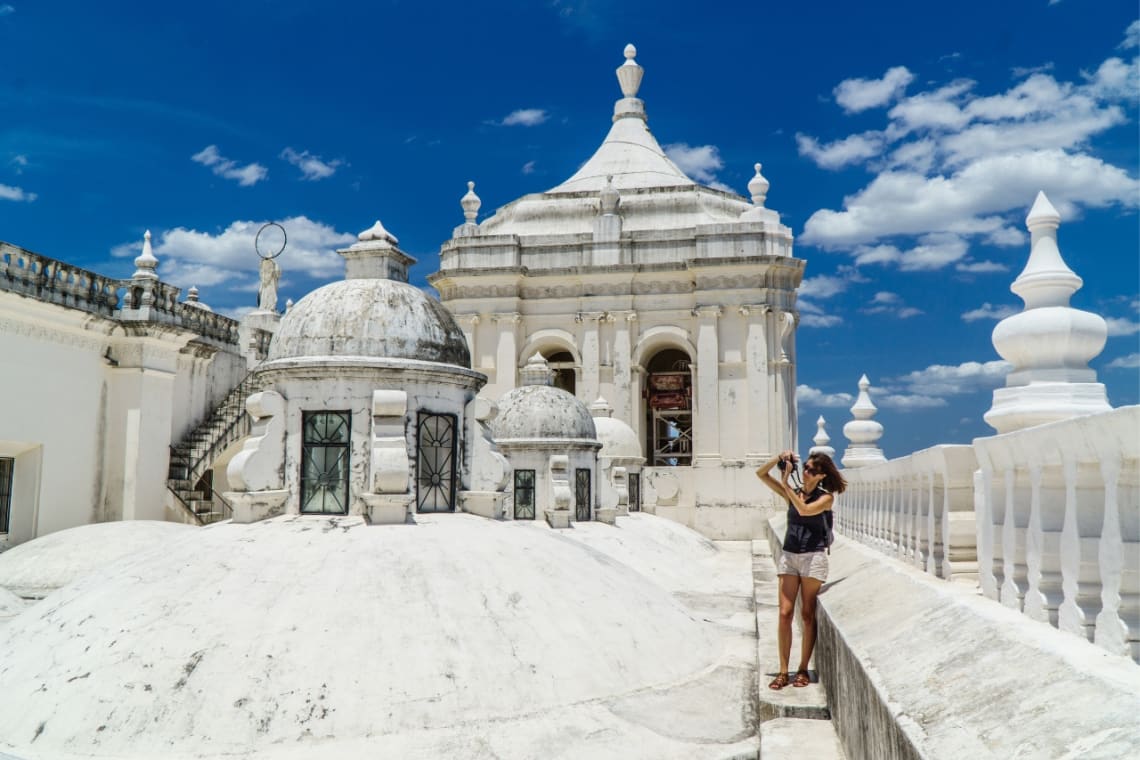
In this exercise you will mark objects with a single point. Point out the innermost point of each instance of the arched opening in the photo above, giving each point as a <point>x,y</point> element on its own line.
<point>565,369</point>
<point>669,409</point>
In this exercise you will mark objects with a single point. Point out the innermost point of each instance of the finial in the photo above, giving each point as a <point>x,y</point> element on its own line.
<point>536,371</point>
<point>601,408</point>
<point>821,440</point>
<point>470,203</point>
<point>758,187</point>
<point>146,262</point>
<point>610,197</point>
<point>378,233</point>
<point>630,73</point>
<point>192,294</point>
<point>863,433</point>
<point>288,304</point>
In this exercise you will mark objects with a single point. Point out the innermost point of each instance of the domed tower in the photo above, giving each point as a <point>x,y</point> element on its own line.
<point>550,440</point>
<point>619,463</point>
<point>367,402</point>
<point>674,300</point>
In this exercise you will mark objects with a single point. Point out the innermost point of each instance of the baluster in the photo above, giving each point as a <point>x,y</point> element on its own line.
<point>1071,617</point>
<point>1111,632</point>
<point>985,520</point>
<point>1011,591</point>
<point>1036,605</point>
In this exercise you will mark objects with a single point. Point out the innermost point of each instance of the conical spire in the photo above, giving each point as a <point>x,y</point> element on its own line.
<point>146,263</point>
<point>863,433</point>
<point>821,439</point>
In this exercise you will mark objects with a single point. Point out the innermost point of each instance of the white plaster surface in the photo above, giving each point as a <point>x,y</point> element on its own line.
<point>798,738</point>
<point>37,568</point>
<point>10,605</point>
<point>316,637</point>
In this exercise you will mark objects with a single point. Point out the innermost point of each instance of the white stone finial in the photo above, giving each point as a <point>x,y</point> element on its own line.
<point>1049,343</point>
<point>758,187</point>
<point>610,197</point>
<point>146,263</point>
<point>470,203</point>
<point>629,74</point>
<point>863,433</point>
<point>601,408</point>
<point>288,305</point>
<point>192,294</point>
<point>536,371</point>
<point>377,233</point>
<point>821,440</point>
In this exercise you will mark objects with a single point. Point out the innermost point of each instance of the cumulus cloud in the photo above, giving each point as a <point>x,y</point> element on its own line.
<point>191,257</point>
<point>1118,327</point>
<point>892,304</point>
<point>989,311</point>
<point>312,167</point>
<point>10,193</point>
<point>907,401</point>
<point>856,95</point>
<point>835,155</point>
<point>247,175</point>
<point>524,117</point>
<point>954,162</point>
<point>940,380</point>
<point>813,397</point>
<point>823,286</point>
<point>701,162</point>
<point>1129,361</point>
<point>1131,36</point>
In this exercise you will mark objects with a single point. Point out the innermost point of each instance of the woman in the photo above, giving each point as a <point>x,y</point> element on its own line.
<point>802,568</point>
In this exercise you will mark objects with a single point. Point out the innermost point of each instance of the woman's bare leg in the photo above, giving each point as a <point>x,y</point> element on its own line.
<point>809,590</point>
<point>789,588</point>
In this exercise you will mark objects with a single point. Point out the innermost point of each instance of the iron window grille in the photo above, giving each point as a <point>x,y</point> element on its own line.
<point>524,494</point>
<point>435,462</point>
<point>7,465</point>
<point>582,495</point>
<point>325,457</point>
<point>634,492</point>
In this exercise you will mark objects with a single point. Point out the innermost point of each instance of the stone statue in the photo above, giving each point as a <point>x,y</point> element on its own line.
<point>268,275</point>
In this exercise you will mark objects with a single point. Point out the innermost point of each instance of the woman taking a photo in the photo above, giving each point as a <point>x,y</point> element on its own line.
<point>802,568</point>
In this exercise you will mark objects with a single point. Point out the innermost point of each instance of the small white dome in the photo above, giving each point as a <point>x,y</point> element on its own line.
<point>542,411</point>
<point>618,439</point>
<point>377,318</point>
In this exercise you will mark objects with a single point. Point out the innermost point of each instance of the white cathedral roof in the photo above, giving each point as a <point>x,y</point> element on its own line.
<point>307,637</point>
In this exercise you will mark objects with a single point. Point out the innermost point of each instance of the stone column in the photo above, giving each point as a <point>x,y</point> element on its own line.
<point>758,444</point>
<point>591,355</point>
<point>706,443</point>
<point>624,390</point>
<point>507,352</point>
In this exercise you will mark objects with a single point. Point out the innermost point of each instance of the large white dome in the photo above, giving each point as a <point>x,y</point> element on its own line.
<point>376,318</point>
<point>306,637</point>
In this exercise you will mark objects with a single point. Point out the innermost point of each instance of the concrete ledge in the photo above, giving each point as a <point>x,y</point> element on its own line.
<point>915,667</point>
<point>796,739</point>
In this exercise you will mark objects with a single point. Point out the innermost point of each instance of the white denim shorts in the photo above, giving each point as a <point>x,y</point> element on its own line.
<point>808,565</point>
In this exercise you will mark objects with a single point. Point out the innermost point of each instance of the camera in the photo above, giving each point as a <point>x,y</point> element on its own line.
<point>783,464</point>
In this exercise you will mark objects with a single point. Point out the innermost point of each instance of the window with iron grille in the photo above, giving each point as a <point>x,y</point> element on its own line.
<point>6,466</point>
<point>325,462</point>
<point>635,492</point>
<point>524,494</point>
<point>582,495</point>
<point>435,462</point>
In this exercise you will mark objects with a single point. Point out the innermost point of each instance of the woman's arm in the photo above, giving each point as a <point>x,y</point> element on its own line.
<point>806,509</point>
<point>783,489</point>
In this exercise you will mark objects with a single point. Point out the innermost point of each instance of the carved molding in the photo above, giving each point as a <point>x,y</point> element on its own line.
<point>35,331</point>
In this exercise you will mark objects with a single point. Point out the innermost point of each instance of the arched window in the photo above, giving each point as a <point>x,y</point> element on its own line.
<point>565,370</point>
<point>669,409</point>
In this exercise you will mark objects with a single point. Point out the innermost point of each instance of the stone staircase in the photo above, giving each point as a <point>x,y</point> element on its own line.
<point>189,477</point>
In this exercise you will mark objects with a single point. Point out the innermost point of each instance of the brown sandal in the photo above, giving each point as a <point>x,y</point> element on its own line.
<point>779,682</point>
<point>802,679</point>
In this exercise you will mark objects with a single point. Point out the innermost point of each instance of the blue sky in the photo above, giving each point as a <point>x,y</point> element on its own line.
<point>904,143</point>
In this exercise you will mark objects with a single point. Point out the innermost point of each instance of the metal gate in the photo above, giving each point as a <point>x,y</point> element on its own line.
<point>435,462</point>
<point>524,494</point>
<point>634,492</point>
<point>582,495</point>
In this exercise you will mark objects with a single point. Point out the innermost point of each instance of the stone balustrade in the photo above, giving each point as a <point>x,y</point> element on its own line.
<point>1058,515</point>
<point>52,281</point>
<point>918,508</point>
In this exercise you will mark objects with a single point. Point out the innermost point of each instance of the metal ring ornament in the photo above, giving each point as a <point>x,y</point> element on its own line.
<point>284,240</point>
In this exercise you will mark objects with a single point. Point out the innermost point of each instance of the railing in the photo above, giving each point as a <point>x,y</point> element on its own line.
<point>52,281</point>
<point>918,508</point>
<point>1059,525</point>
<point>191,457</point>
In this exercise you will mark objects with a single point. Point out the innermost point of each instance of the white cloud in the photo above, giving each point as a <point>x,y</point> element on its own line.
<point>1131,36</point>
<point>989,311</point>
<point>886,302</point>
<point>940,380</point>
<point>819,320</point>
<point>823,286</point>
<point>189,257</point>
<point>247,175</point>
<point>1130,361</point>
<point>980,267</point>
<point>312,167</point>
<point>1118,327</point>
<point>835,155</point>
<point>701,162</point>
<point>528,167</point>
<point>6,9</point>
<point>18,163</point>
<point>907,401</point>
<point>10,193</point>
<point>808,396</point>
<point>856,95</point>
<point>524,117</point>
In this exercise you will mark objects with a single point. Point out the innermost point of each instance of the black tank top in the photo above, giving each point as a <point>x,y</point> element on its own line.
<point>811,533</point>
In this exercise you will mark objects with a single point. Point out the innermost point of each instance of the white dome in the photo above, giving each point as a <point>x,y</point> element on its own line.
<point>373,317</point>
<point>618,439</point>
<point>39,567</point>
<point>534,412</point>
<point>316,637</point>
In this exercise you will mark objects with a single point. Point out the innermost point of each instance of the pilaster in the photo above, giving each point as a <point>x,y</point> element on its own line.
<point>706,443</point>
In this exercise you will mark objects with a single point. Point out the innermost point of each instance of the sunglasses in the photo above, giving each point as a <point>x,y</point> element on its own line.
<point>810,470</point>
